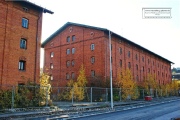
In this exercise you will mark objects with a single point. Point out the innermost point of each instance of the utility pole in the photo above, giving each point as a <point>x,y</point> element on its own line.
<point>110,56</point>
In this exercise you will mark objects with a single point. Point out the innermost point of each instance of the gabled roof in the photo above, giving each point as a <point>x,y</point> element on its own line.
<point>33,4</point>
<point>101,29</point>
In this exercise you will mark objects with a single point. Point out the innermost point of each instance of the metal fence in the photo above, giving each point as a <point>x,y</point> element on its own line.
<point>32,96</point>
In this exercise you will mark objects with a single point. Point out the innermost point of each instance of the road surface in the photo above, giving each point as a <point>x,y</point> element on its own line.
<point>164,111</point>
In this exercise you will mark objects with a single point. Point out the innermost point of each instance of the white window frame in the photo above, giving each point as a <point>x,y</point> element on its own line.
<point>73,50</point>
<point>92,47</point>
<point>25,23</point>
<point>52,54</point>
<point>51,66</point>
<point>68,51</point>
<point>92,59</point>
<point>22,65</point>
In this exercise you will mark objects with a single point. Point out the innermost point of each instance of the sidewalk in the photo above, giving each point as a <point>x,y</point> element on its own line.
<point>64,107</point>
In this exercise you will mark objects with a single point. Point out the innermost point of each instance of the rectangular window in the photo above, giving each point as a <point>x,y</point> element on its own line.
<point>68,63</point>
<point>92,47</point>
<point>72,62</point>
<point>73,50</point>
<point>120,50</point>
<point>142,58</point>
<point>136,57</point>
<point>73,38</point>
<point>136,67</point>
<point>23,44</point>
<point>51,77</point>
<point>129,65</point>
<point>73,75</point>
<point>92,60</point>
<point>92,73</point>
<point>24,23</point>
<point>22,65</point>
<point>67,76</point>
<point>52,54</point>
<point>68,39</point>
<point>120,63</point>
<point>68,51</point>
<point>51,66</point>
<point>129,54</point>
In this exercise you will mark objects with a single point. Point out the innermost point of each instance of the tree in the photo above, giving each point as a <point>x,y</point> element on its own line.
<point>45,87</point>
<point>127,84</point>
<point>150,84</point>
<point>78,87</point>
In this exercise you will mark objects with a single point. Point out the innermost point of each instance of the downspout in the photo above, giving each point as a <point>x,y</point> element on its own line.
<point>35,67</point>
<point>4,46</point>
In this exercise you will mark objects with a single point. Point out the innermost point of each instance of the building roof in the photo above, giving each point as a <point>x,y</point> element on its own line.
<point>98,28</point>
<point>33,4</point>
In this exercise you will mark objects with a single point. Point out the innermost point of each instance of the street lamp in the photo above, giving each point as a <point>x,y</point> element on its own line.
<point>110,70</point>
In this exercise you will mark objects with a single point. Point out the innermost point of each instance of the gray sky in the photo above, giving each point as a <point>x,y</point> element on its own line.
<point>123,17</point>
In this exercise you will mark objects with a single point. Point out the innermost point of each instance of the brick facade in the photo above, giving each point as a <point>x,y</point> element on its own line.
<point>11,32</point>
<point>141,61</point>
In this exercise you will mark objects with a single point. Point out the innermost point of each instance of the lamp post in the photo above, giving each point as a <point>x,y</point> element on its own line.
<point>110,70</point>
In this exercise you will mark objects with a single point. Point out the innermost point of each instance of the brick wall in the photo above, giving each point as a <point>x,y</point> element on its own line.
<point>87,36</point>
<point>11,32</point>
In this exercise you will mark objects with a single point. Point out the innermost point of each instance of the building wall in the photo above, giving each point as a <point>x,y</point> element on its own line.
<point>84,38</point>
<point>11,32</point>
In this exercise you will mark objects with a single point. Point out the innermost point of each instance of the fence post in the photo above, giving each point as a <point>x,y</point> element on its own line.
<point>156,94</point>
<point>106,94</point>
<point>91,94</point>
<point>72,95</point>
<point>120,94</point>
<point>12,105</point>
<point>47,96</point>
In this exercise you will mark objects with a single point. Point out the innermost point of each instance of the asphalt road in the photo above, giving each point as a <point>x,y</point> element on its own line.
<point>164,111</point>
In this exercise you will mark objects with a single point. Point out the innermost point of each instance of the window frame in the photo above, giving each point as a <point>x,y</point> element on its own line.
<point>23,45</point>
<point>68,63</point>
<point>51,66</point>
<point>68,51</point>
<point>92,47</point>
<point>73,38</point>
<point>129,54</point>
<point>67,76</point>
<point>72,63</point>
<point>52,54</point>
<point>73,50</point>
<point>22,65</point>
<point>120,50</point>
<point>120,62</point>
<point>68,39</point>
<point>25,23</point>
<point>129,65</point>
<point>92,59</point>
<point>92,73</point>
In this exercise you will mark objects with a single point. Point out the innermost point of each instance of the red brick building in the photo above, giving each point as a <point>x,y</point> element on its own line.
<point>20,41</point>
<point>75,44</point>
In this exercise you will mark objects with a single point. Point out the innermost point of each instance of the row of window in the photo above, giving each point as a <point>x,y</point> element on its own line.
<point>69,38</point>
<point>136,57</point>
<point>72,75</point>
<point>68,51</point>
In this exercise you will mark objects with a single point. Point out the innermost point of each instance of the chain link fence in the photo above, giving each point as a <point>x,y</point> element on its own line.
<point>32,96</point>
